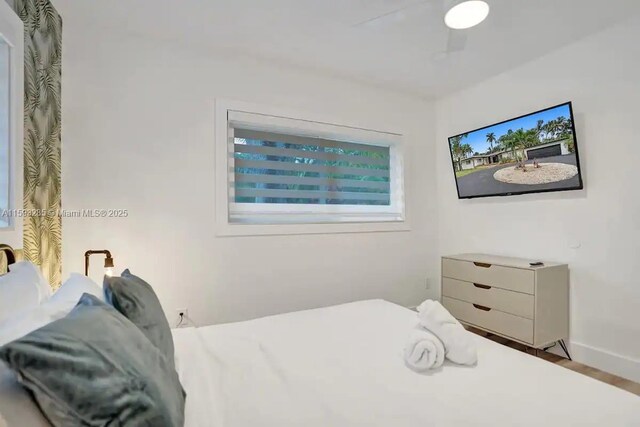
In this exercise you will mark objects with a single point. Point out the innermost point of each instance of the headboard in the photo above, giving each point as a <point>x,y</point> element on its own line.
<point>9,253</point>
<point>9,256</point>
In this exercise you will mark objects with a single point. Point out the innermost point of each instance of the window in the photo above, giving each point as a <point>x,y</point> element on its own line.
<point>11,125</point>
<point>292,171</point>
<point>5,138</point>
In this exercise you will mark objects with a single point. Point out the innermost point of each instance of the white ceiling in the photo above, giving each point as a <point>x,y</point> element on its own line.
<point>402,53</point>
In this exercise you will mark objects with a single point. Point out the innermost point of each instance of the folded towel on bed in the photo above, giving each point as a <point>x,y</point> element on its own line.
<point>458,342</point>
<point>423,351</point>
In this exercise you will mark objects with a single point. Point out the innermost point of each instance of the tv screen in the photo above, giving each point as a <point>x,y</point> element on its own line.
<point>529,154</point>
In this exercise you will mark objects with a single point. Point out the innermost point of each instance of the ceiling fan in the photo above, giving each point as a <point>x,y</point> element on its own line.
<point>458,15</point>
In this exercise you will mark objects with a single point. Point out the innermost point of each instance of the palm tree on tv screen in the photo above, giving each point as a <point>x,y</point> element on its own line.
<point>510,143</point>
<point>565,126</point>
<point>539,129</point>
<point>466,150</point>
<point>457,149</point>
<point>491,138</point>
<point>559,127</point>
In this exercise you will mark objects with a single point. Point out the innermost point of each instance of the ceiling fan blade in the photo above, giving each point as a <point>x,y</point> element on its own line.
<point>456,41</point>
<point>394,16</point>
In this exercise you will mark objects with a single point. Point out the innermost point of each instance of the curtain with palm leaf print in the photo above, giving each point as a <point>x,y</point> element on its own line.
<point>42,122</point>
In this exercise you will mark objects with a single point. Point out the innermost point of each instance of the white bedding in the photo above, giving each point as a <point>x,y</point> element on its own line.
<point>342,366</point>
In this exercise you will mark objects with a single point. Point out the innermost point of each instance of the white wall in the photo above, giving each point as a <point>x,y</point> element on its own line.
<point>138,135</point>
<point>596,231</point>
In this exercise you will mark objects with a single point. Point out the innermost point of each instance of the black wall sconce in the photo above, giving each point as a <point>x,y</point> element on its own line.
<point>108,261</point>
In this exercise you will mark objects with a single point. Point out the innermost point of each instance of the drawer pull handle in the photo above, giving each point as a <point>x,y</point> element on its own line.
<point>481,307</point>
<point>478,285</point>
<point>481,264</point>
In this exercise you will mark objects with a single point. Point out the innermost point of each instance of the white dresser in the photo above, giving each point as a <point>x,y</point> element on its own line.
<point>508,297</point>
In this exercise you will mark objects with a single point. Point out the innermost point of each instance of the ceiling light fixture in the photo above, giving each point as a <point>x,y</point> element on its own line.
<point>466,14</point>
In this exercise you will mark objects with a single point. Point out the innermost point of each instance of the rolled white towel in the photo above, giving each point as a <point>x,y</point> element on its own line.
<point>459,344</point>
<point>423,351</point>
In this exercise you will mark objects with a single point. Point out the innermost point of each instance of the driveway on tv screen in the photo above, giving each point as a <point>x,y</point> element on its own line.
<point>482,181</point>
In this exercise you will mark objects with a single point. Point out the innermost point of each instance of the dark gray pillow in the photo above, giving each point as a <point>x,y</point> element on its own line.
<point>95,368</point>
<point>136,300</point>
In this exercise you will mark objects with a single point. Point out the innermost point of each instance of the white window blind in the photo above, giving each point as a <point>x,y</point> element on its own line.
<point>286,170</point>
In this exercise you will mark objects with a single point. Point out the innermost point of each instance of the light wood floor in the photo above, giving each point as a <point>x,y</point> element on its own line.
<point>614,380</point>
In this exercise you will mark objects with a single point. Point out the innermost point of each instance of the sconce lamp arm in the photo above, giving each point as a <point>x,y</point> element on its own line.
<point>108,262</point>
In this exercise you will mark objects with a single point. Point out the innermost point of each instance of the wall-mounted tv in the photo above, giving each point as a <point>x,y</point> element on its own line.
<point>529,154</point>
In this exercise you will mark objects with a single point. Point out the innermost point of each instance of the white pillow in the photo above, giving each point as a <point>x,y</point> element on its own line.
<point>23,323</point>
<point>72,289</point>
<point>21,289</point>
<point>56,307</point>
<point>43,285</point>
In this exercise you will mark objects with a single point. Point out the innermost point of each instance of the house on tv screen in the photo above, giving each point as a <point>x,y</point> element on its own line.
<point>548,149</point>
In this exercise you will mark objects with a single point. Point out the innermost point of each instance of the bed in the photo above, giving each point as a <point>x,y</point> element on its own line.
<point>343,366</point>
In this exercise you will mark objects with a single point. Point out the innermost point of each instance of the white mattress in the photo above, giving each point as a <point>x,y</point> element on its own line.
<point>342,366</point>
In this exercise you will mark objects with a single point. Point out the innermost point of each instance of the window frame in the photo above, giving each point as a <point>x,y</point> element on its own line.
<point>12,32</point>
<point>354,220</point>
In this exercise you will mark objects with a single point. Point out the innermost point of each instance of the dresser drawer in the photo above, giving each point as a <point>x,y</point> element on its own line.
<point>514,279</point>
<point>502,323</point>
<point>501,299</point>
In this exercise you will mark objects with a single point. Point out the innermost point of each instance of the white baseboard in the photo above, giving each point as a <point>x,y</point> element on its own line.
<point>604,360</point>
